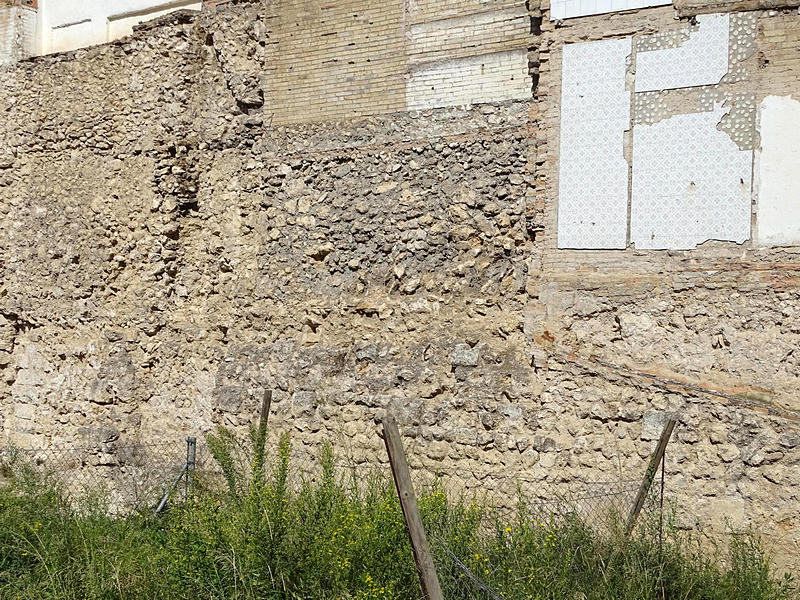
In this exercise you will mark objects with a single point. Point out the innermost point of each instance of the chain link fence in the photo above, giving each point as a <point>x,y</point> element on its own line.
<point>505,504</point>
<point>511,507</point>
<point>122,478</point>
<point>599,507</point>
<point>147,477</point>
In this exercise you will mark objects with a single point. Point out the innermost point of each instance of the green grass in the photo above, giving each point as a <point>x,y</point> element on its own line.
<point>343,537</point>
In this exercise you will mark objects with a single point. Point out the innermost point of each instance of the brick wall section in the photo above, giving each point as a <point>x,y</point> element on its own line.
<point>472,80</point>
<point>17,32</point>
<point>779,53</point>
<point>334,60</point>
<point>27,17</point>
<point>422,11</point>
<point>447,38</point>
<point>468,59</point>
<point>319,61</point>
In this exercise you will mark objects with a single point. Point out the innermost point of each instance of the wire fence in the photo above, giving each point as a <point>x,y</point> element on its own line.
<point>598,504</point>
<point>124,478</point>
<point>507,505</point>
<point>149,477</point>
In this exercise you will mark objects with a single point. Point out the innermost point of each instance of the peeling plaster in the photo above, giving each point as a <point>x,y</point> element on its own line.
<point>691,183</point>
<point>593,173</point>
<point>778,176</point>
<point>700,60</point>
<point>742,52</point>
<point>662,40</point>
<point>663,102</point>
<point>739,122</point>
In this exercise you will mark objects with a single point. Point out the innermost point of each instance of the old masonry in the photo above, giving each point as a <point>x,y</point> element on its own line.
<point>533,231</point>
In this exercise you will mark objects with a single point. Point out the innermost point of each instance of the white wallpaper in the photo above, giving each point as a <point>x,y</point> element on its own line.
<point>701,60</point>
<point>691,183</point>
<point>593,173</point>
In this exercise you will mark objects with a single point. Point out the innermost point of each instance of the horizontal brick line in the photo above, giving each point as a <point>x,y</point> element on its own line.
<point>495,8</point>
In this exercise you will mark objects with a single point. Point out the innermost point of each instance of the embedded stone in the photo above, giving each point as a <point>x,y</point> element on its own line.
<point>464,355</point>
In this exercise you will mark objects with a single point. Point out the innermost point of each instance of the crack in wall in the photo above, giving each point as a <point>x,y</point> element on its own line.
<point>245,89</point>
<point>12,326</point>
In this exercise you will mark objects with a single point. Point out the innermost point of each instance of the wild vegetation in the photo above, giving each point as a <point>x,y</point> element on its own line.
<point>265,534</point>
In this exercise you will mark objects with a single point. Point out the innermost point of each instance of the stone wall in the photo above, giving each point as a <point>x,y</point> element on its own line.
<point>176,236</point>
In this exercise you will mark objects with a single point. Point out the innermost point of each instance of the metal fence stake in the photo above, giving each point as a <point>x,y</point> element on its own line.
<point>408,502</point>
<point>191,456</point>
<point>186,474</point>
<point>165,499</point>
<point>650,474</point>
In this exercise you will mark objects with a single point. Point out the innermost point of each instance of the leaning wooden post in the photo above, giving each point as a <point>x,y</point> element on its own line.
<point>408,502</point>
<point>650,474</point>
<point>266,402</point>
<point>260,442</point>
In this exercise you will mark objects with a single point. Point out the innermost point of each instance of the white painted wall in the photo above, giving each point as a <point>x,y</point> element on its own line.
<point>778,172</point>
<point>69,24</point>
<point>471,80</point>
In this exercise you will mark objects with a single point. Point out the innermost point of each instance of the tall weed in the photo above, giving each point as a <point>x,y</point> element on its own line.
<point>274,533</point>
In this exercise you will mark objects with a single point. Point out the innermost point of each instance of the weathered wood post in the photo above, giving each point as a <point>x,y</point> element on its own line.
<point>260,442</point>
<point>408,502</point>
<point>266,402</point>
<point>650,474</point>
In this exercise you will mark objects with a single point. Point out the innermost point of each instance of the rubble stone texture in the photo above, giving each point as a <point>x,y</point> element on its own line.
<point>176,235</point>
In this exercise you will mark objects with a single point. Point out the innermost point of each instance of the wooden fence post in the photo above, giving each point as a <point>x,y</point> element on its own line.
<point>260,442</point>
<point>650,474</point>
<point>408,502</point>
<point>266,402</point>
